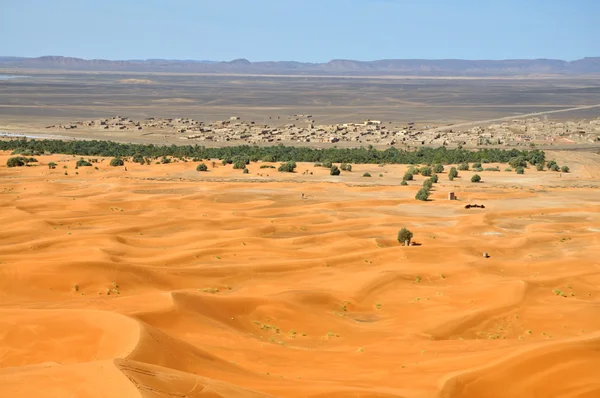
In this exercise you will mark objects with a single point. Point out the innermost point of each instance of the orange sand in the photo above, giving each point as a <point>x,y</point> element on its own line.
<point>161,281</point>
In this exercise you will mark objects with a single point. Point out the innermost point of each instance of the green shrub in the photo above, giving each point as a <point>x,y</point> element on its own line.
<point>404,235</point>
<point>463,166</point>
<point>51,165</point>
<point>327,164</point>
<point>520,170</point>
<point>508,169</point>
<point>16,162</point>
<point>407,176</point>
<point>492,168</point>
<point>550,164</point>
<point>349,167</point>
<point>343,166</point>
<point>434,178</point>
<point>117,162</point>
<point>245,171</point>
<point>478,169</point>
<point>287,167</point>
<point>165,160</point>
<point>266,166</point>
<point>475,178</point>
<point>539,167</point>
<point>239,164</point>
<point>422,195</point>
<point>83,163</point>
<point>518,161</point>
<point>404,182</point>
<point>366,174</point>
<point>334,171</point>
<point>477,165</point>
<point>202,167</point>
<point>554,167</point>
<point>268,158</point>
<point>427,184</point>
<point>425,171</point>
<point>452,174</point>
<point>137,158</point>
<point>564,169</point>
<point>438,168</point>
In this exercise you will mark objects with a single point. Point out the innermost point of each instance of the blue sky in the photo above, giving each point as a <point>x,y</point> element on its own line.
<point>301,30</point>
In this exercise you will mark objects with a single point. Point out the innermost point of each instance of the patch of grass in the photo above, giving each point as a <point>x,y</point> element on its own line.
<point>211,290</point>
<point>75,287</point>
<point>559,292</point>
<point>418,279</point>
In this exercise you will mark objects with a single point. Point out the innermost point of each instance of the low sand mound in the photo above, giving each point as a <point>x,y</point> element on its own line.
<point>30,337</point>
<point>157,382</point>
<point>565,369</point>
<point>99,379</point>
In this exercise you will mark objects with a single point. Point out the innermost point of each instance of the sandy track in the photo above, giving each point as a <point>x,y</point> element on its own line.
<point>161,281</point>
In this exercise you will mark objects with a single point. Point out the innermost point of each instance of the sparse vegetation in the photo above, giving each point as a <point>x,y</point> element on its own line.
<point>452,174</point>
<point>404,235</point>
<point>117,162</point>
<point>422,195</point>
<point>19,161</point>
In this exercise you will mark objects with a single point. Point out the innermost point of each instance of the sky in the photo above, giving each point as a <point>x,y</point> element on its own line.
<point>301,30</point>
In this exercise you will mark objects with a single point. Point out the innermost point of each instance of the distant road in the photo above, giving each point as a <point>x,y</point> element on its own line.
<point>508,118</point>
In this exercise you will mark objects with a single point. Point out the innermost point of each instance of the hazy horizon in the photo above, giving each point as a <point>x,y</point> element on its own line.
<point>308,31</point>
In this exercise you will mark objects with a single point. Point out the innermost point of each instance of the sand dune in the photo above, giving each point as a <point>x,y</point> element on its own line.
<point>161,281</point>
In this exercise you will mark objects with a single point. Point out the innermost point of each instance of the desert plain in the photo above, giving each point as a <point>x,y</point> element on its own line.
<point>160,281</point>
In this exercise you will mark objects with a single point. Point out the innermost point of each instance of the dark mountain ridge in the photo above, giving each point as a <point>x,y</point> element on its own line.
<point>410,67</point>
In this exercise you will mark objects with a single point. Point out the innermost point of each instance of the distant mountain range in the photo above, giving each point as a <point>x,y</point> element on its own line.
<point>411,67</point>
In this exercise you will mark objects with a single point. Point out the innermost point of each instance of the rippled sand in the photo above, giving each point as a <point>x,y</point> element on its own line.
<point>160,281</point>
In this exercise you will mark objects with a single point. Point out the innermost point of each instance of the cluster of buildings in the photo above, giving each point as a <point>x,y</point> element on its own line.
<point>518,132</point>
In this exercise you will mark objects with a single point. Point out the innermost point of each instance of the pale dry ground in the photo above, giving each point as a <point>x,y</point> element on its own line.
<point>315,296</point>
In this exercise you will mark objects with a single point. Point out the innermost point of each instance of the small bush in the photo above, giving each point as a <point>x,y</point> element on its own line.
<point>202,167</point>
<point>518,161</point>
<point>425,171</point>
<point>165,160</point>
<point>492,168</point>
<point>452,174</point>
<point>508,169</point>
<point>478,169</point>
<point>115,162</point>
<point>438,168</point>
<point>83,163</point>
<point>327,164</point>
<point>475,178</point>
<point>427,184</point>
<point>15,162</point>
<point>554,167</point>
<point>334,171</point>
<point>287,167</point>
<point>404,182</point>
<point>407,176</point>
<point>268,158</point>
<point>550,164</point>
<point>434,178</point>
<point>520,170</point>
<point>266,166</point>
<point>349,167</point>
<point>245,171</point>
<point>51,165</point>
<point>239,164</point>
<point>404,235</point>
<point>564,169</point>
<point>422,195</point>
<point>343,166</point>
<point>477,165</point>
<point>463,166</point>
<point>366,175</point>
<point>539,167</point>
<point>137,158</point>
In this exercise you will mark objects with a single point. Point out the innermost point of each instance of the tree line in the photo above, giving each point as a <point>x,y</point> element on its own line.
<point>277,153</point>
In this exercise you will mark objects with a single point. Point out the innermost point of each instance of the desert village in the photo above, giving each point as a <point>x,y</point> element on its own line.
<point>303,129</point>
